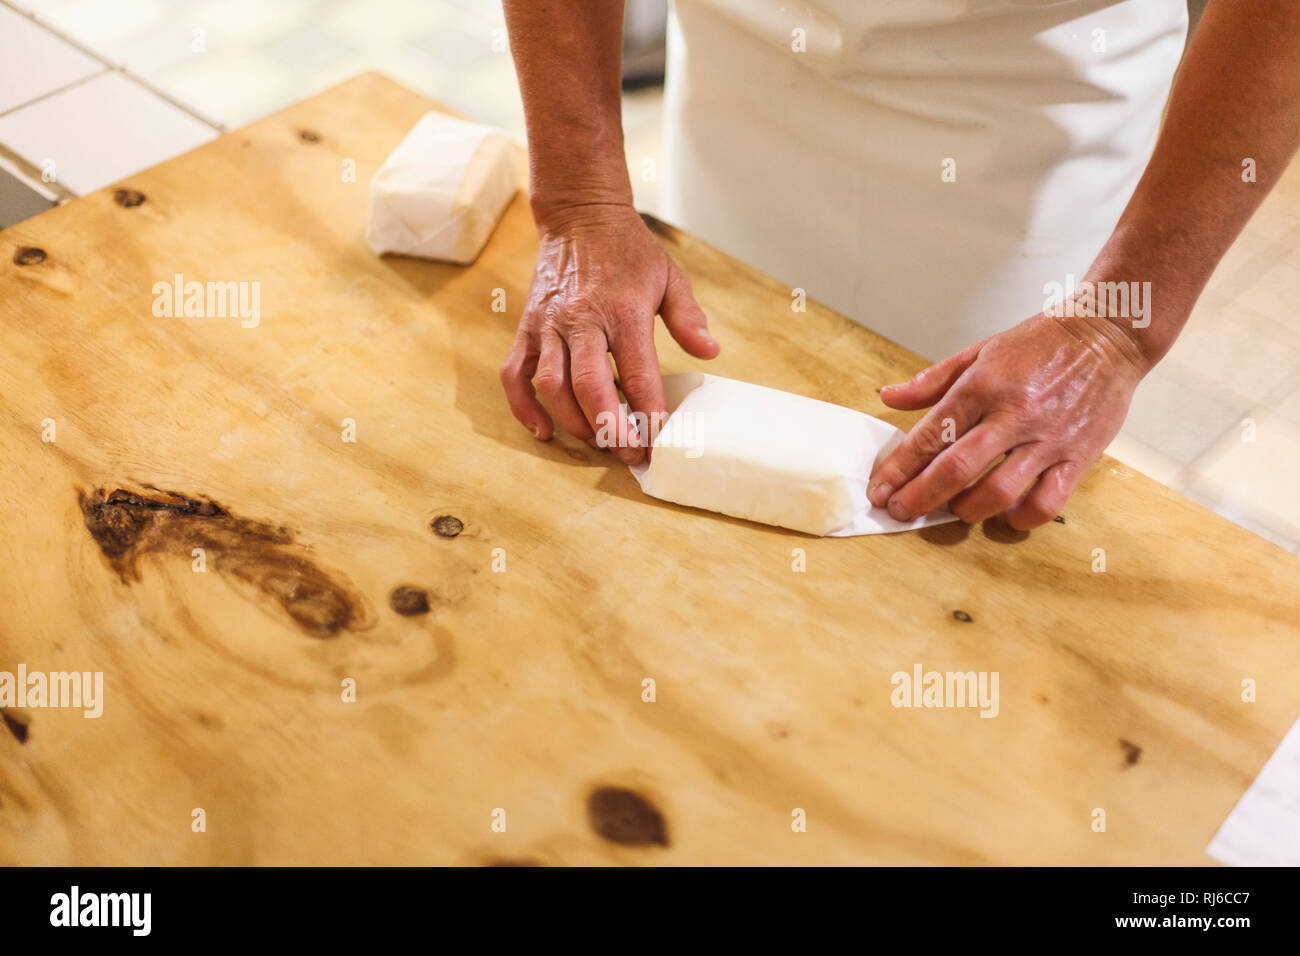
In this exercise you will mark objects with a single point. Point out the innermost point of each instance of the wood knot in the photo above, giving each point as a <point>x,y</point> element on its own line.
<point>447,526</point>
<point>29,255</point>
<point>408,600</point>
<point>1132,752</point>
<point>128,198</point>
<point>16,727</point>
<point>624,816</point>
<point>309,136</point>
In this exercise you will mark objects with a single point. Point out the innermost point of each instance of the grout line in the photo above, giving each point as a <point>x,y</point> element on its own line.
<point>115,67</point>
<point>48,93</point>
<point>164,95</point>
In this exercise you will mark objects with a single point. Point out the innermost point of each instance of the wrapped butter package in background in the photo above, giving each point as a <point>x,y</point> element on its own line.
<point>770,456</point>
<point>442,191</point>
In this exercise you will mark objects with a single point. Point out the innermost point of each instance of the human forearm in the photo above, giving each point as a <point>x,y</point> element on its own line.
<point>568,57</point>
<point>1236,98</point>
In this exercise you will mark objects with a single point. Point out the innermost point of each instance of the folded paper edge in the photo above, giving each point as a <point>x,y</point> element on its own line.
<point>881,520</point>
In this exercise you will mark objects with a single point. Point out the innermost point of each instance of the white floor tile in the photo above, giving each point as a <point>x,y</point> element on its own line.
<point>308,50</point>
<point>150,53</point>
<point>232,25</point>
<point>101,131</point>
<point>1140,456</point>
<point>1239,350</point>
<point>233,87</point>
<point>34,62</point>
<point>1180,415</point>
<point>1252,472</point>
<point>388,23</point>
<point>100,24</point>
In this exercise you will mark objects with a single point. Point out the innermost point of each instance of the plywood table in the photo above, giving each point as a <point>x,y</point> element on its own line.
<point>434,643</point>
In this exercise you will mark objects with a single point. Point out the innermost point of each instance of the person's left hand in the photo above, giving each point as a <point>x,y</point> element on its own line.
<point>1049,393</point>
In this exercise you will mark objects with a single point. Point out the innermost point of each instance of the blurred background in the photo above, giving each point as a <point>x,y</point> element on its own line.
<point>114,86</point>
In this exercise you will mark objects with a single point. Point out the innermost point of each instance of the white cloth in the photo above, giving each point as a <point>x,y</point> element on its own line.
<point>824,168</point>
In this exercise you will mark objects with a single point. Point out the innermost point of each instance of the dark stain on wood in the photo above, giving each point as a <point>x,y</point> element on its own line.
<point>16,727</point>
<point>1132,752</point>
<point>512,863</point>
<point>309,136</point>
<point>624,816</point>
<point>128,198</point>
<point>576,455</point>
<point>408,600</point>
<point>447,526</point>
<point>29,255</point>
<point>127,525</point>
<point>1059,519</point>
<point>210,721</point>
<point>962,616</point>
<point>660,228</point>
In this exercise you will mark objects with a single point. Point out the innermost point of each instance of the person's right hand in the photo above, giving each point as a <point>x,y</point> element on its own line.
<point>601,277</point>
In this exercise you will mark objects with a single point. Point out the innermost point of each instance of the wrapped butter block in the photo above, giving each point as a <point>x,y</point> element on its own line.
<point>442,191</point>
<point>770,456</point>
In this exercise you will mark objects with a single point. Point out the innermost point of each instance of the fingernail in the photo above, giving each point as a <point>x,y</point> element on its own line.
<point>878,493</point>
<point>898,512</point>
<point>704,334</point>
<point>535,429</point>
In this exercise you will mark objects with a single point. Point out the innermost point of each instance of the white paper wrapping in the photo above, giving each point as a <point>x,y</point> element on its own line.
<point>1263,829</point>
<point>442,191</point>
<point>770,456</point>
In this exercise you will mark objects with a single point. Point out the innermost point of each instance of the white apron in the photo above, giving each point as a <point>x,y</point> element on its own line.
<point>826,168</point>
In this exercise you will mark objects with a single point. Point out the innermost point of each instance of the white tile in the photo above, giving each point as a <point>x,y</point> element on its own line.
<point>100,24</point>
<point>456,48</point>
<point>415,68</point>
<point>1180,415</point>
<point>486,91</point>
<point>153,52</point>
<point>101,131</point>
<point>309,50</point>
<point>1237,349</point>
<point>232,25</point>
<point>387,23</point>
<point>1140,456</point>
<point>1289,405</point>
<point>234,87</point>
<point>337,72</point>
<point>1251,474</point>
<point>33,61</point>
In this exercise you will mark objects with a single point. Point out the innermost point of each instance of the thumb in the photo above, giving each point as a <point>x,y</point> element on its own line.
<point>684,318</point>
<point>927,386</point>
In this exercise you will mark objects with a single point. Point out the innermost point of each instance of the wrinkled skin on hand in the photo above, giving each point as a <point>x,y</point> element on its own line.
<point>601,277</point>
<point>1049,393</point>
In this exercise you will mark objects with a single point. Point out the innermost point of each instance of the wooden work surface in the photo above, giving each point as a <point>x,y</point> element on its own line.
<point>522,689</point>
